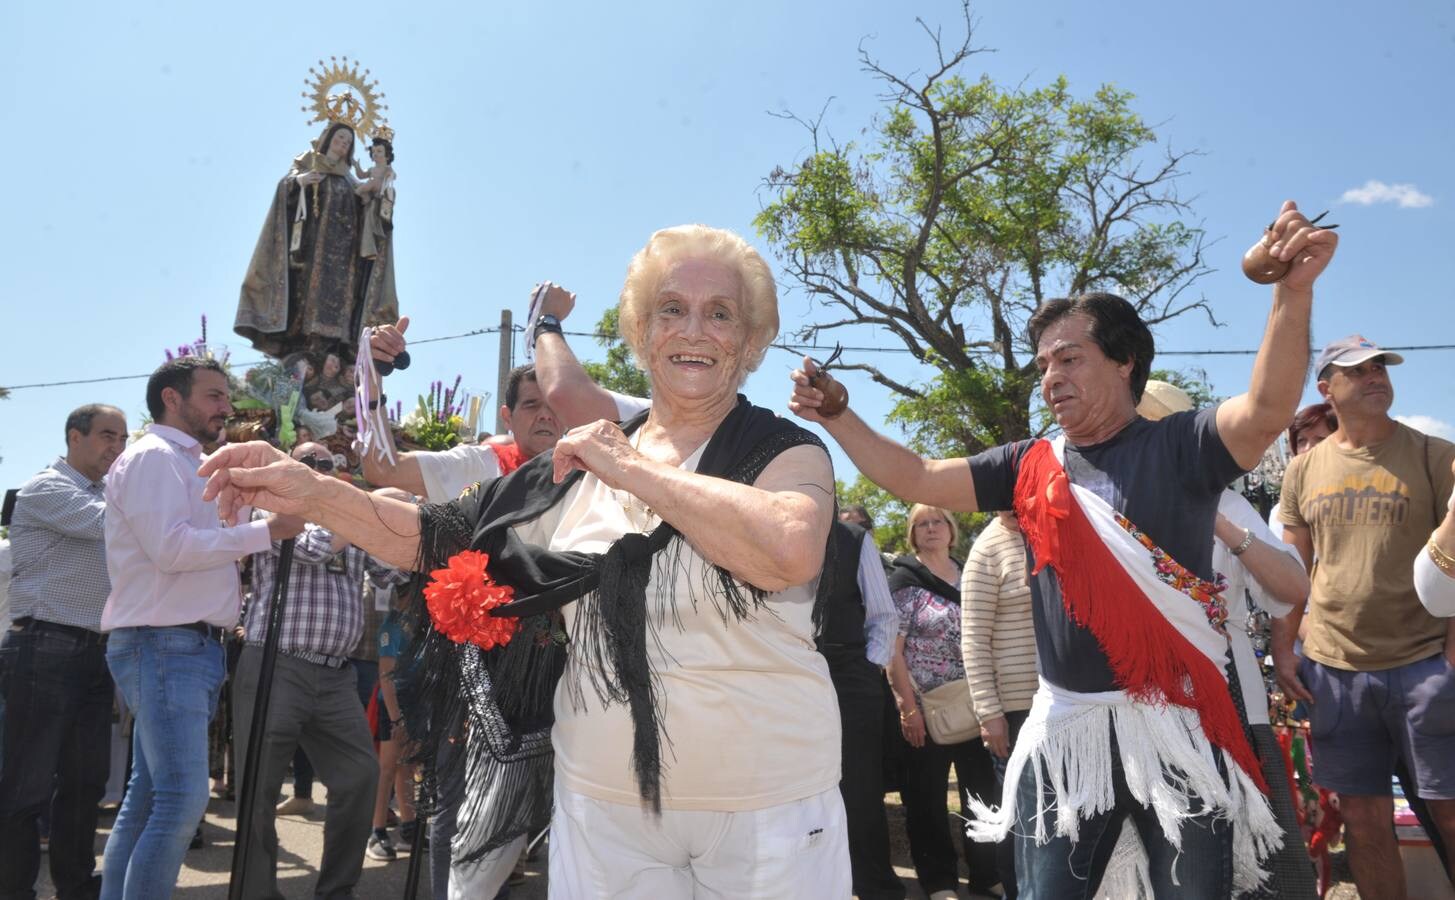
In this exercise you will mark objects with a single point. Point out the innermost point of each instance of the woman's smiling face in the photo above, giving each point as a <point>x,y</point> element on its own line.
<point>697,332</point>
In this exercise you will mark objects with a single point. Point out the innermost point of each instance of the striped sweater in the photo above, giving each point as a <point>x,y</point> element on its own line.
<point>997,638</point>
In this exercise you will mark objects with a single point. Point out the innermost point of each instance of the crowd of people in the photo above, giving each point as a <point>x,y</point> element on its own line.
<point>704,676</point>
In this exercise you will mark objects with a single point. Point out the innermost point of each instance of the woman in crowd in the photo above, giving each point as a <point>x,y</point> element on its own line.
<point>925,586</point>
<point>1310,426</point>
<point>695,729</point>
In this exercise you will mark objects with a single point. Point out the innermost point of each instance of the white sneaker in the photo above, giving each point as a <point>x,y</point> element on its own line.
<point>295,806</point>
<point>380,848</point>
<point>946,894</point>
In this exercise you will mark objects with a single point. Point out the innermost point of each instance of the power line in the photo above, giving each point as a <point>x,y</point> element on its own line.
<point>495,329</point>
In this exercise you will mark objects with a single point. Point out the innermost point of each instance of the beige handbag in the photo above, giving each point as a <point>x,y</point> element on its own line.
<point>950,713</point>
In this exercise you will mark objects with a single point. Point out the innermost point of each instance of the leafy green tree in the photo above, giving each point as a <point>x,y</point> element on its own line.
<point>619,373</point>
<point>967,205</point>
<point>890,515</point>
<point>1194,381</point>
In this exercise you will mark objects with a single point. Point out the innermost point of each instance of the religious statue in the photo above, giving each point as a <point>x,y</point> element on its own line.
<point>323,267</point>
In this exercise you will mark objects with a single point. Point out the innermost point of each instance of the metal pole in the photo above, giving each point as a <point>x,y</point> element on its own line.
<point>507,360</point>
<point>247,801</point>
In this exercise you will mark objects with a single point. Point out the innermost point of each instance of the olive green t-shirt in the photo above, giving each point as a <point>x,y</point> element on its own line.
<point>1369,511</point>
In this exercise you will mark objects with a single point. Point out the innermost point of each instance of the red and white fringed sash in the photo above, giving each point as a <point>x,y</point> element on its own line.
<point>1162,630</point>
<point>1160,627</point>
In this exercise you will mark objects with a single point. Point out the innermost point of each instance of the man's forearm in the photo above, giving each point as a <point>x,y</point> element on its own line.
<point>570,392</point>
<point>900,471</point>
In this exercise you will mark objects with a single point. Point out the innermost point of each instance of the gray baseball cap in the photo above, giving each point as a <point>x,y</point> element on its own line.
<point>1351,351</point>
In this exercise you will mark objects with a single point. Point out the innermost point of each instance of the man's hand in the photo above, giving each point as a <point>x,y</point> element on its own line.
<point>1307,248</point>
<point>387,341</point>
<point>258,474</point>
<point>283,527</point>
<point>996,735</point>
<point>806,398</point>
<point>557,301</point>
<point>1285,665</point>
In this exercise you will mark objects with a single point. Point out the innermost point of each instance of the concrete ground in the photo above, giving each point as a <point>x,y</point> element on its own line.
<point>205,872</point>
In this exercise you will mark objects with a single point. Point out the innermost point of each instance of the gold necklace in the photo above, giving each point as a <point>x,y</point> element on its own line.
<point>630,505</point>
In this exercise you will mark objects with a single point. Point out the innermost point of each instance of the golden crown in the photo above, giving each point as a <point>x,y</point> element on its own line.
<point>341,93</point>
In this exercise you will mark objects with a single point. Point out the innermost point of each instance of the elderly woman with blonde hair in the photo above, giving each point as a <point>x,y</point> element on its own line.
<point>925,585</point>
<point>664,578</point>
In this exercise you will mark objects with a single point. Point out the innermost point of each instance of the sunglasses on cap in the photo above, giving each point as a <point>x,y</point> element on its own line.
<point>317,463</point>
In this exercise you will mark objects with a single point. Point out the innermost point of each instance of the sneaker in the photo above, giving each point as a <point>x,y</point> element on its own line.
<point>406,834</point>
<point>295,806</point>
<point>380,847</point>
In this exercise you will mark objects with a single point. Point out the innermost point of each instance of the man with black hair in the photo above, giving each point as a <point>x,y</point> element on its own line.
<point>174,591</point>
<point>56,689</point>
<point>1133,735</point>
<point>440,475</point>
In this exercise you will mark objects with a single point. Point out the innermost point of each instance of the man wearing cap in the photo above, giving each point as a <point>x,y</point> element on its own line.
<point>1376,667</point>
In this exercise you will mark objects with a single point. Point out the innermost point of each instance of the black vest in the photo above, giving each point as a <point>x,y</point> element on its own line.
<point>843,621</point>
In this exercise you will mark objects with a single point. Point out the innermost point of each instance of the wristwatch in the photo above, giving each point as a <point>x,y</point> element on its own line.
<point>545,322</point>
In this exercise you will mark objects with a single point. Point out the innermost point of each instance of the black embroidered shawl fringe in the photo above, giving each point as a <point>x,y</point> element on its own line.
<point>504,697</point>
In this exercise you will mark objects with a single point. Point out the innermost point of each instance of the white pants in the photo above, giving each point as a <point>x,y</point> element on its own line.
<point>484,876</point>
<point>792,851</point>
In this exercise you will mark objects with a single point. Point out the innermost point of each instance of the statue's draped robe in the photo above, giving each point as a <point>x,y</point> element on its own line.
<point>319,296</point>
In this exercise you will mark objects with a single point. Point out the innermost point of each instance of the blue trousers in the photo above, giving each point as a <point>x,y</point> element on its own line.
<point>171,679</point>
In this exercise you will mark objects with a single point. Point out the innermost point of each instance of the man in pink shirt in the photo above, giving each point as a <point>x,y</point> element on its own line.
<point>174,590</point>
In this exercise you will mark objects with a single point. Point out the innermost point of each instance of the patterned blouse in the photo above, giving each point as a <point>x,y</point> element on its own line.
<point>930,625</point>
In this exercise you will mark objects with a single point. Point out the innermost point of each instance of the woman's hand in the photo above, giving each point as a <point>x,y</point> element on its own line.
<point>309,178</point>
<point>600,448</point>
<point>258,474</point>
<point>996,735</point>
<point>912,724</point>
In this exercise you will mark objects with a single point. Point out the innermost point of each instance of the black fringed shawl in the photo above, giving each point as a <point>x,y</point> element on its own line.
<point>908,571</point>
<point>491,711</point>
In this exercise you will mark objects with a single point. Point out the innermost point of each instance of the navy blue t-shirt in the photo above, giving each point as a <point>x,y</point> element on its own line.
<point>1165,476</point>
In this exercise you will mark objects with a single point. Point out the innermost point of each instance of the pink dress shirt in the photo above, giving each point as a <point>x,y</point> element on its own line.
<point>170,559</point>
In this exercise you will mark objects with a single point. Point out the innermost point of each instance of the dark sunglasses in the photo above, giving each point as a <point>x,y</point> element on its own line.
<point>317,463</point>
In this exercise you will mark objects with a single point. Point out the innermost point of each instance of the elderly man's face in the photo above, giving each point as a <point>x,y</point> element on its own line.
<point>697,332</point>
<point>1362,391</point>
<point>1084,388</point>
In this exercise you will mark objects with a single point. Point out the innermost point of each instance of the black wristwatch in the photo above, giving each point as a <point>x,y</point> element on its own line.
<point>546,322</point>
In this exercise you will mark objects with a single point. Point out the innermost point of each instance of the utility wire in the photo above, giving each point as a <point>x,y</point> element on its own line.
<point>495,329</point>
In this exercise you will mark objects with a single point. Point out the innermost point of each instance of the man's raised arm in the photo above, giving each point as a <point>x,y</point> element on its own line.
<point>569,391</point>
<point>1249,423</point>
<point>945,483</point>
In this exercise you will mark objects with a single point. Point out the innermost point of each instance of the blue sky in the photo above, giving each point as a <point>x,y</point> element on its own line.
<point>547,141</point>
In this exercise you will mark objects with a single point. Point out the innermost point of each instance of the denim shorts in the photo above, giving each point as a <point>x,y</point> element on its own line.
<point>1360,722</point>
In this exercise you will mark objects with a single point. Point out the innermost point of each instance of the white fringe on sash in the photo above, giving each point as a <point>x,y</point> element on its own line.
<point>1169,768</point>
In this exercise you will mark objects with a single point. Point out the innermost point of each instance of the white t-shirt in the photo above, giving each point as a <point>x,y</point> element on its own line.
<point>448,472</point>
<point>1242,514</point>
<point>1436,589</point>
<point>750,716</point>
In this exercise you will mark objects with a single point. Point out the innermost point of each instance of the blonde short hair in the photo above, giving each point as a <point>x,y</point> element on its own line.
<point>672,245</point>
<point>919,511</point>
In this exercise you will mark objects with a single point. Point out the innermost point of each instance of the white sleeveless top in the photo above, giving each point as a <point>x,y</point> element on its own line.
<point>750,716</point>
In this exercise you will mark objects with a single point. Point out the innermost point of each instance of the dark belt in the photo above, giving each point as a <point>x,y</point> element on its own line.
<point>84,635</point>
<point>206,629</point>
<point>308,656</point>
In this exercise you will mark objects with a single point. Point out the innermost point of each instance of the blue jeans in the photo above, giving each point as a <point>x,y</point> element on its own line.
<point>171,678</point>
<point>59,696</point>
<point>1063,869</point>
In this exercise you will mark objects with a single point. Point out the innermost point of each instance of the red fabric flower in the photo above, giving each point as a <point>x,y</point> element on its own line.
<point>460,597</point>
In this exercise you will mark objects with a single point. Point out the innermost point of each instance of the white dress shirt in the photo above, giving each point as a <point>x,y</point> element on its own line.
<point>170,559</point>
<point>1241,587</point>
<point>881,619</point>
